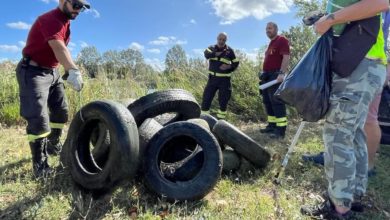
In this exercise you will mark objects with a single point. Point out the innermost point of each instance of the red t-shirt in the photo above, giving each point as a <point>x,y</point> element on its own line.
<point>53,25</point>
<point>274,54</point>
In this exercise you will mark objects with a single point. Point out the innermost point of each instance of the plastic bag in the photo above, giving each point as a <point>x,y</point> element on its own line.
<point>307,87</point>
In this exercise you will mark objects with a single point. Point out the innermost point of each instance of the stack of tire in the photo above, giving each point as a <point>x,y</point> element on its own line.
<point>161,137</point>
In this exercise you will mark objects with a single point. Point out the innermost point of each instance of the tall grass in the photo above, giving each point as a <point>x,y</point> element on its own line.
<point>245,103</point>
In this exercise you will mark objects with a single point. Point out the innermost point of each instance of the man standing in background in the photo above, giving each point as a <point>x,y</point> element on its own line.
<point>222,62</point>
<point>275,65</point>
<point>41,89</point>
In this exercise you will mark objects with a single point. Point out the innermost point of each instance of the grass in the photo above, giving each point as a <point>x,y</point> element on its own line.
<point>246,194</point>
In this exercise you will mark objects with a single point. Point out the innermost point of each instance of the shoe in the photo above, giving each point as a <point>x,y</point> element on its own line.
<point>356,206</point>
<point>315,158</point>
<point>278,133</point>
<point>325,210</point>
<point>54,145</point>
<point>269,129</point>
<point>41,168</point>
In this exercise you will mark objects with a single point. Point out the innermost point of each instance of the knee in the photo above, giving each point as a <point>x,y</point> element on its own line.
<point>60,115</point>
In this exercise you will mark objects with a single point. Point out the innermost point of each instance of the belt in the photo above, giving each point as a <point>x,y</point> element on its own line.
<point>220,74</point>
<point>35,64</point>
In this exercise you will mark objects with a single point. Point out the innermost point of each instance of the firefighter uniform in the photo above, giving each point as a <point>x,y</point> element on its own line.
<point>276,110</point>
<point>219,79</point>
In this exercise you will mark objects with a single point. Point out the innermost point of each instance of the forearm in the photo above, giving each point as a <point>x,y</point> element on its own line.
<point>285,62</point>
<point>62,54</point>
<point>360,10</point>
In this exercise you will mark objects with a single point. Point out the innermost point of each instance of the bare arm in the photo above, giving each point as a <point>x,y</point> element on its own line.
<point>62,54</point>
<point>285,62</point>
<point>358,11</point>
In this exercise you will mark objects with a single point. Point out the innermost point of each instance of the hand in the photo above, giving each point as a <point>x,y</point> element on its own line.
<point>75,81</point>
<point>324,24</point>
<point>280,77</point>
<point>225,67</point>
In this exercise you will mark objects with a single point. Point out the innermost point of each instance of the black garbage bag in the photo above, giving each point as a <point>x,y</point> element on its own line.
<point>307,87</point>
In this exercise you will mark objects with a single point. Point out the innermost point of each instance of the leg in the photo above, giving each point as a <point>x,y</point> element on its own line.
<point>348,109</point>
<point>34,88</point>
<point>373,131</point>
<point>209,93</point>
<point>224,94</point>
<point>279,109</point>
<point>266,94</point>
<point>58,107</point>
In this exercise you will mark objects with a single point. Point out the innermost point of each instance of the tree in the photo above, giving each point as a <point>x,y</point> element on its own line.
<point>176,59</point>
<point>89,58</point>
<point>131,62</point>
<point>111,63</point>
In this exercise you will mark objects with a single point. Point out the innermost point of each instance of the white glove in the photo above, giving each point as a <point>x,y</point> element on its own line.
<point>75,81</point>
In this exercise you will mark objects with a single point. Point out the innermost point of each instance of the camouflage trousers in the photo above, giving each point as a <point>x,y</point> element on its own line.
<point>346,160</point>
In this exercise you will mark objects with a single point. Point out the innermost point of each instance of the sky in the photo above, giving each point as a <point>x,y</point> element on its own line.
<point>152,26</point>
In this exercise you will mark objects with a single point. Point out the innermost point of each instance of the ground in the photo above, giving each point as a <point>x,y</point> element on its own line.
<point>247,194</point>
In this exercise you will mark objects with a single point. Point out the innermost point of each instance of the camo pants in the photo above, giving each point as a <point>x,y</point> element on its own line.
<point>346,160</point>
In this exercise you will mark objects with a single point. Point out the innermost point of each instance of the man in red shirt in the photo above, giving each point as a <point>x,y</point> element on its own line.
<point>42,96</point>
<point>275,66</point>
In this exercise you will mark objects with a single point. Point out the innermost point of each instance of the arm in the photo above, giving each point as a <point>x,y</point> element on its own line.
<point>62,54</point>
<point>285,62</point>
<point>209,53</point>
<point>358,11</point>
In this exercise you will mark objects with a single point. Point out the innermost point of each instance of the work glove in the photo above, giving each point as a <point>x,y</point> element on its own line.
<point>74,80</point>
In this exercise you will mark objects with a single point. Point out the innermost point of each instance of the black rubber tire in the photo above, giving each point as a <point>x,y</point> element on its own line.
<point>100,140</point>
<point>146,131</point>
<point>211,120</point>
<point>188,168</point>
<point>122,162</point>
<point>231,161</point>
<point>242,143</point>
<point>207,176</point>
<point>169,101</point>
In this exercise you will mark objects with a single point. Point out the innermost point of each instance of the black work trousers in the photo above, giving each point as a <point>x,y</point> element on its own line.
<point>273,106</point>
<point>224,88</point>
<point>42,98</point>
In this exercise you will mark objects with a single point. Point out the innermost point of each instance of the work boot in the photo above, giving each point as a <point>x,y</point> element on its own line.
<point>54,145</point>
<point>39,158</point>
<point>325,210</point>
<point>269,129</point>
<point>278,132</point>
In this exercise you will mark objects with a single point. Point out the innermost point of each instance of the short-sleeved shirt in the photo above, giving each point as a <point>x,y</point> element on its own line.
<point>274,54</point>
<point>53,25</point>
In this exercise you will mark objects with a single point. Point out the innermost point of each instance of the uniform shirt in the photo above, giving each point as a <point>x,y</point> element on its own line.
<point>274,54</point>
<point>227,57</point>
<point>53,25</point>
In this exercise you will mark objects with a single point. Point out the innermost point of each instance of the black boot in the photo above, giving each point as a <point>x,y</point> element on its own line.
<point>279,132</point>
<point>269,129</point>
<point>39,158</point>
<point>54,145</point>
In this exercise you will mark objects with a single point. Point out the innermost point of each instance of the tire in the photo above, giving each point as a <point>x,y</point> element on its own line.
<point>211,120</point>
<point>231,161</point>
<point>122,161</point>
<point>203,182</point>
<point>186,169</point>
<point>100,140</point>
<point>146,131</point>
<point>241,143</point>
<point>176,101</point>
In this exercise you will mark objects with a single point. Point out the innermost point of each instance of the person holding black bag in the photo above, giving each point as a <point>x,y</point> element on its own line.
<point>359,72</point>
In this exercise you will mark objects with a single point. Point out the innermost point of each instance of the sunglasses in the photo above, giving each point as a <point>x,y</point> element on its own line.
<point>76,5</point>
